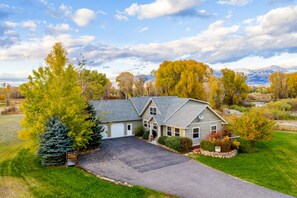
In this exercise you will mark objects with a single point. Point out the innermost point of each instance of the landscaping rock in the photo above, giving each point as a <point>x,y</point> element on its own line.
<point>230,154</point>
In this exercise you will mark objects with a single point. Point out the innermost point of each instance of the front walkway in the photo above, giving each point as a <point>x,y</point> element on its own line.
<point>139,163</point>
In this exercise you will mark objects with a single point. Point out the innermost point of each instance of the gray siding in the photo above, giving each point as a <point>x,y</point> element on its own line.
<point>209,119</point>
<point>204,130</point>
<point>135,124</point>
<point>208,116</point>
<point>146,115</point>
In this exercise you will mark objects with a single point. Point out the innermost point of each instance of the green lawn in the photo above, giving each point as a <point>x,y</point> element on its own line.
<point>22,176</point>
<point>274,166</point>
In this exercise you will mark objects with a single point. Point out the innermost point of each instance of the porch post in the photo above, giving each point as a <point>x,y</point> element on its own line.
<point>151,128</point>
<point>159,131</point>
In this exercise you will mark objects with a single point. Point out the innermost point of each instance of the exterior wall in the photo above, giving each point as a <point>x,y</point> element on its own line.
<point>134,123</point>
<point>208,115</point>
<point>164,131</point>
<point>209,119</point>
<point>146,115</point>
<point>204,130</point>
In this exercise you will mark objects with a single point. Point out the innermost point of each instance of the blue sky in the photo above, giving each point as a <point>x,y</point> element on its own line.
<point>137,36</point>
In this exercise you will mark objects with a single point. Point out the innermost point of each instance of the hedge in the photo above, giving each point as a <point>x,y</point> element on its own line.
<point>180,144</point>
<point>207,145</point>
<point>162,140</point>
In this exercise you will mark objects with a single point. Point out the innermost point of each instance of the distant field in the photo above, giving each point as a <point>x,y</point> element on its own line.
<point>22,176</point>
<point>274,166</point>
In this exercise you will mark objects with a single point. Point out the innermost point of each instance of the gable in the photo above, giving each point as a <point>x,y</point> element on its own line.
<point>208,116</point>
<point>146,113</point>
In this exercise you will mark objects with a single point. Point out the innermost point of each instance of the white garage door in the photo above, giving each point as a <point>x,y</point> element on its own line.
<point>117,130</point>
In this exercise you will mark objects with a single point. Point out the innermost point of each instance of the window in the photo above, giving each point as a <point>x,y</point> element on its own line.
<point>129,127</point>
<point>176,132</point>
<point>145,123</point>
<point>169,132</point>
<point>153,110</point>
<point>213,129</point>
<point>196,132</point>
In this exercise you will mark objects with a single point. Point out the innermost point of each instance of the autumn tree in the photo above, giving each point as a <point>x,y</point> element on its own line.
<point>279,85</point>
<point>252,126</point>
<point>139,89</point>
<point>54,90</point>
<point>125,82</point>
<point>107,89</point>
<point>5,89</point>
<point>150,88</point>
<point>216,93</point>
<point>235,86</point>
<point>92,84</point>
<point>183,78</point>
<point>292,85</point>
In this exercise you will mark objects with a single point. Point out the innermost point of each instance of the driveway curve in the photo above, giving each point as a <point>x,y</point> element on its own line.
<point>139,163</point>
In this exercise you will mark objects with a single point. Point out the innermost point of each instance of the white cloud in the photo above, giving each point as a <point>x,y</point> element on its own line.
<point>160,8</point>
<point>29,24</point>
<point>286,60</point>
<point>83,16</point>
<point>38,48</point>
<point>58,29</point>
<point>143,29</point>
<point>121,16</point>
<point>234,2</point>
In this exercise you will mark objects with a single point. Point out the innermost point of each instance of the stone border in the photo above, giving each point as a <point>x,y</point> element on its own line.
<point>229,154</point>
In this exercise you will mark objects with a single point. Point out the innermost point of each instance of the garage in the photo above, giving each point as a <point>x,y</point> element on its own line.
<point>117,130</point>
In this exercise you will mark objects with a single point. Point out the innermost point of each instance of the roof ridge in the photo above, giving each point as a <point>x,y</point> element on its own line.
<point>134,106</point>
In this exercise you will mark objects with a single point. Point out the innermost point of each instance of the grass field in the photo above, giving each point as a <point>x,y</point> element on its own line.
<point>22,176</point>
<point>274,166</point>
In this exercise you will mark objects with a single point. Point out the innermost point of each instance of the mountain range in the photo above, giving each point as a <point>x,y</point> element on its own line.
<point>260,76</point>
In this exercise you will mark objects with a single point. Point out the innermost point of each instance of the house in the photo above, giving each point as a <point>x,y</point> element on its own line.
<point>162,116</point>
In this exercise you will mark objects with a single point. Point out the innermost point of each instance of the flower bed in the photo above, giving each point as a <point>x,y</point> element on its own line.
<point>229,154</point>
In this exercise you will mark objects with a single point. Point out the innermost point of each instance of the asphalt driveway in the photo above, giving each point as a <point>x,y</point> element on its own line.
<point>139,163</point>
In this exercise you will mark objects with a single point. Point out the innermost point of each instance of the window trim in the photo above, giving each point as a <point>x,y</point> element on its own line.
<point>154,108</point>
<point>176,132</point>
<point>215,126</point>
<point>167,130</point>
<point>198,133</point>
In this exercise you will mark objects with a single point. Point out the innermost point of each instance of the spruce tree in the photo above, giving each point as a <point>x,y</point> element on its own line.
<point>54,143</point>
<point>97,128</point>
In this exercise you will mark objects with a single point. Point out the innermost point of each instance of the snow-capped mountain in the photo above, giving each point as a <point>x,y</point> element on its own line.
<point>260,76</point>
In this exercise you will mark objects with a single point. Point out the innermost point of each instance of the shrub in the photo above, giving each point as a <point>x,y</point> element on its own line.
<point>162,140</point>
<point>207,145</point>
<point>10,110</point>
<point>225,144</point>
<point>174,143</point>
<point>146,135</point>
<point>246,147</point>
<point>239,108</point>
<point>139,131</point>
<point>186,144</point>
<point>235,144</point>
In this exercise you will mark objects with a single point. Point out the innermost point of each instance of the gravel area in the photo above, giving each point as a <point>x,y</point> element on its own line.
<point>139,163</point>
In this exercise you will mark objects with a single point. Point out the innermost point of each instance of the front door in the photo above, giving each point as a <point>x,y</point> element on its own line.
<point>129,129</point>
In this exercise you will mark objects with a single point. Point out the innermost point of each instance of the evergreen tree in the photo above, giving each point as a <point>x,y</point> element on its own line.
<point>54,143</point>
<point>97,128</point>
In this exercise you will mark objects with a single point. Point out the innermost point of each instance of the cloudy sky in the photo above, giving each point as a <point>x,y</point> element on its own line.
<point>137,36</point>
